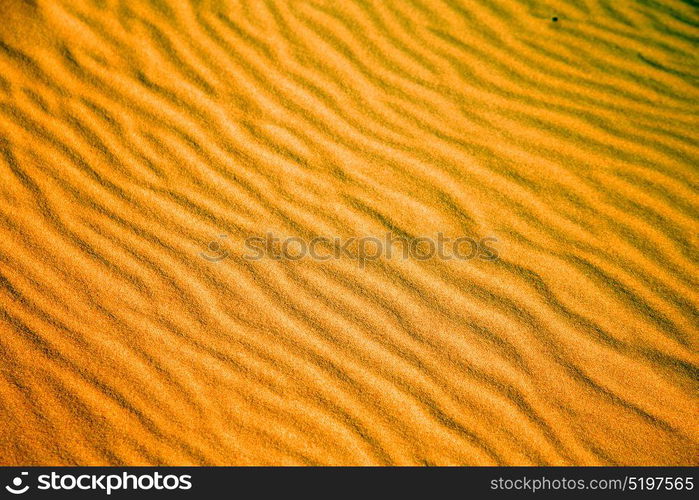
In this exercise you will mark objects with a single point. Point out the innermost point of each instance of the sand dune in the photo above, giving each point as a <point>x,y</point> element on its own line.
<point>137,135</point>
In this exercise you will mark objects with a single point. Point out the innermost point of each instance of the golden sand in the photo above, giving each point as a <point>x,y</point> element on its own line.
<point>133,133</point>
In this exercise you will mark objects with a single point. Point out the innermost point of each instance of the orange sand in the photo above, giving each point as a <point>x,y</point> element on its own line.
<point>133,133</point>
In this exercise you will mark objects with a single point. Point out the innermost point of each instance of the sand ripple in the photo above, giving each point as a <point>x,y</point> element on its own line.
<point>132,133</point>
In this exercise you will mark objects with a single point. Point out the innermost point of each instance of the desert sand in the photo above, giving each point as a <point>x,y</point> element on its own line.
<point>136,136</point>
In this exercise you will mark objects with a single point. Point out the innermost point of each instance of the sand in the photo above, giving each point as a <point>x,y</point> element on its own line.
<point>137,135</point>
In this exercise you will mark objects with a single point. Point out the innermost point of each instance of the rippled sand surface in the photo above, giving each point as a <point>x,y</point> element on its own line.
<point>134,135</point>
